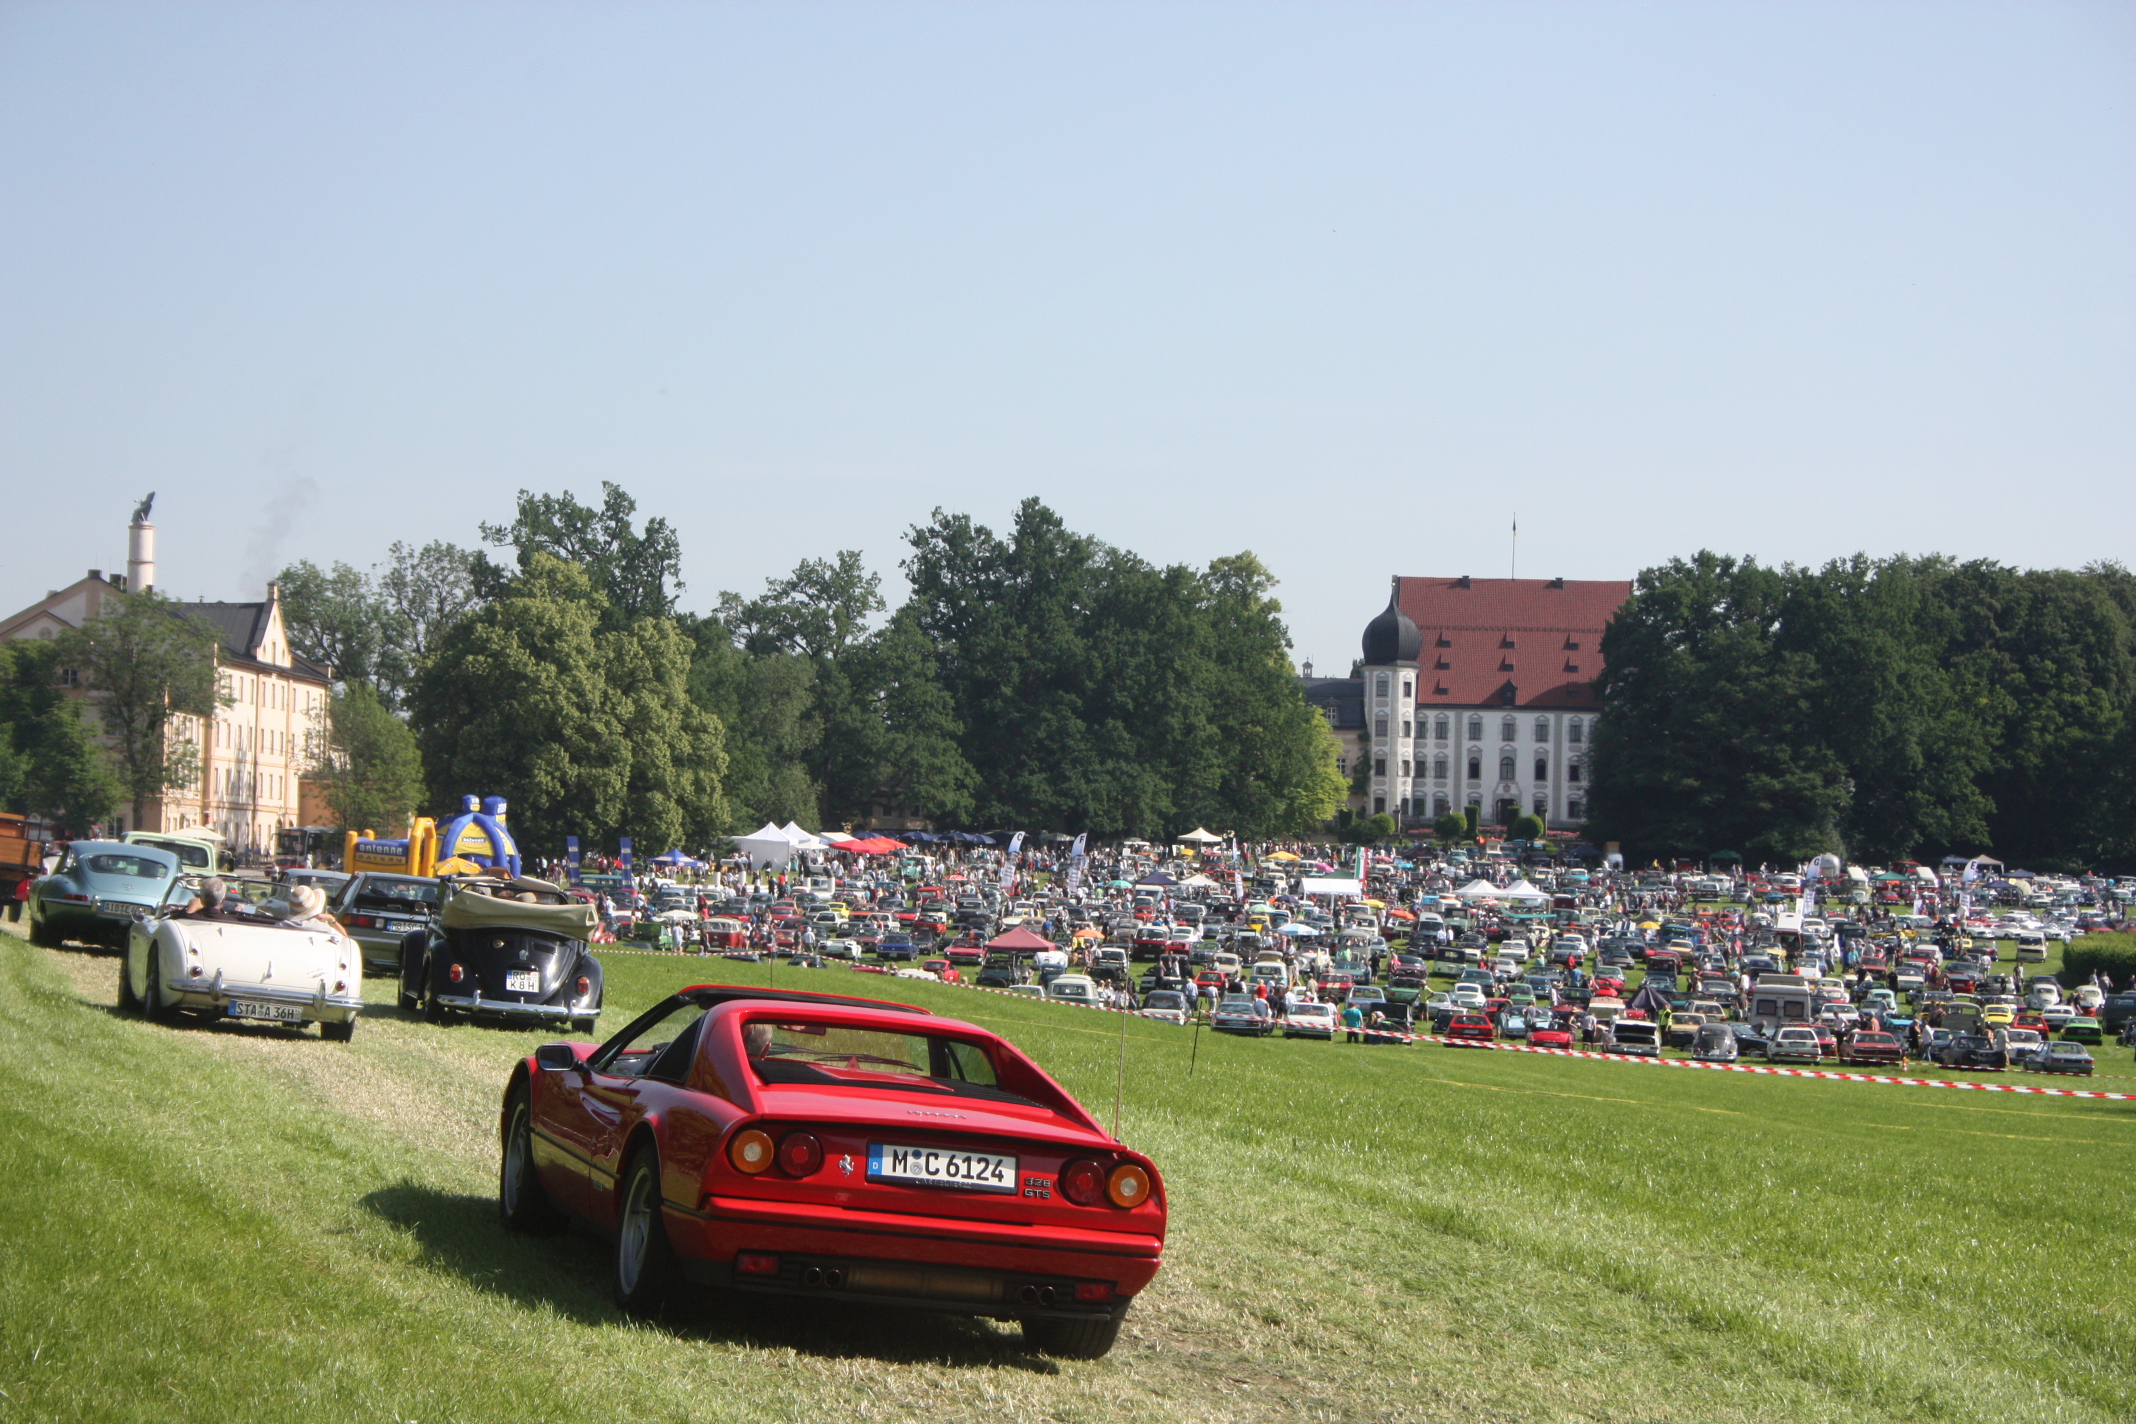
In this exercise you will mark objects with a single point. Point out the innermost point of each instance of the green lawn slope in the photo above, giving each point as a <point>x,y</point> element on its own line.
<point>247,1223</point>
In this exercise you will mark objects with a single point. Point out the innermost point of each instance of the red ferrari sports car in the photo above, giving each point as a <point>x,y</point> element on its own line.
<point>835,1148</point>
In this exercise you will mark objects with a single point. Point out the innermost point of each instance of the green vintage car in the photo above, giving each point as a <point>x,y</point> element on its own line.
<point>2081,1029</point>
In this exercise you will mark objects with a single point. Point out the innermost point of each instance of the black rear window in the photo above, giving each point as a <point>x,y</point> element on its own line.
<point>398,894</point>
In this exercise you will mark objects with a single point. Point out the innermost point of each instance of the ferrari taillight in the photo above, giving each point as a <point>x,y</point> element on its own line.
<point>800,1154</point>
<point>750,1152</point>
<point>1083,1182</point>
<point>1128,1185</point>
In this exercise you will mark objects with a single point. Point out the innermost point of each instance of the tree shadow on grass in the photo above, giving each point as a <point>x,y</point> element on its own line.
<point>461,1236</point>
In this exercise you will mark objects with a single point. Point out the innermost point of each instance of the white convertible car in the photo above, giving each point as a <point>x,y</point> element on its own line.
<point>233,965</point>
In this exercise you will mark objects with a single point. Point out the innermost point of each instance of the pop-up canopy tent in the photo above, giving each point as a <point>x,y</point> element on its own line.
<point>1199,836</point>
<point>1020,941</point>
<point>1197,882</point>
<point>1480,890</point>
<point>675,857</point>
<point>803,840</point>
<point>1525,893</point>
<point>767,849</point>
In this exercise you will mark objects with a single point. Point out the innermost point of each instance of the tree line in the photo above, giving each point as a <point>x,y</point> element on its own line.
<point>1037,678</point>
<point>1884,709</point>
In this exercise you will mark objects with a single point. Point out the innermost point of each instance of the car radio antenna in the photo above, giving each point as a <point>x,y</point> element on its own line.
<point>1120,1082</point>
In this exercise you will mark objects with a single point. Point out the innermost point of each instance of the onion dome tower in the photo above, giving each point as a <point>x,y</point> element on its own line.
<point>1392,638</point>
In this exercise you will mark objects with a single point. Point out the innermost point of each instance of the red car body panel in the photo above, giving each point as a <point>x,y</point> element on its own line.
<point>588,1123</point>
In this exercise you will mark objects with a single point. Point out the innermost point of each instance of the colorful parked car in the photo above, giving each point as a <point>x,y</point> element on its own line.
<point>834,1150</point>
<point>101,890</point>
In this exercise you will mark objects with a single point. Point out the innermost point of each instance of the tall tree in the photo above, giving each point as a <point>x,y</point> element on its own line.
<point>637,573</point>
<point>818,611</point>
<point>424,591</point>
<point>49,762</point>
<point>333,616</point>
<point>144,662</point>
<point>366,763</point>
<point>585,728</point>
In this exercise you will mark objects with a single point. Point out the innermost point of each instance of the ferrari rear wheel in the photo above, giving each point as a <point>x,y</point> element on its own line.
<point>522,1201</point>
<point>1073,1339</point>
<point>646,1269</point>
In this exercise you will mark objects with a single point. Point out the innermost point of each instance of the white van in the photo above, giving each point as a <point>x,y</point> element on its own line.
<point>1074,989</point>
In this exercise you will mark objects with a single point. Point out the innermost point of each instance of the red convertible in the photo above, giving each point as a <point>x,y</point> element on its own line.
<point>838,1149</point>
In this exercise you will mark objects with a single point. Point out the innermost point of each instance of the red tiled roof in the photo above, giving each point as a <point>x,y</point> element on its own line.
<point>1540,636</point>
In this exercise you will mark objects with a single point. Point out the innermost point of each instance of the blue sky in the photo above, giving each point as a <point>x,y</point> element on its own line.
<point>1347,285</point>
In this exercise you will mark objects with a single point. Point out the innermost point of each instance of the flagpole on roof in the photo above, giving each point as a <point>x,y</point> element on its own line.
<point>1513,565</point>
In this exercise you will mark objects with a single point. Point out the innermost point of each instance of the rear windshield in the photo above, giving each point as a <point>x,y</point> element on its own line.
<point>388,893</point>
<point>138,867</point>
<point>802,1054</point>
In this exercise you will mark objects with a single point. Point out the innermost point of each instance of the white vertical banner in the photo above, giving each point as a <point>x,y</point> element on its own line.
<point>1008,860</point>
<point>1075,862</point>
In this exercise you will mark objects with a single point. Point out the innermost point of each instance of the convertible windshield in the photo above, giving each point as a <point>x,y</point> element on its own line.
<point>805,1054</point>
<point>138,867</point>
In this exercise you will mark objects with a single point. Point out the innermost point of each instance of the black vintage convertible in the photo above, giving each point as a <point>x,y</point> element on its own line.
<point>504,950</point>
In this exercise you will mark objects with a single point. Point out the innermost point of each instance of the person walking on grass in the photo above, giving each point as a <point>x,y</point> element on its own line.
<point>1353,1019</point>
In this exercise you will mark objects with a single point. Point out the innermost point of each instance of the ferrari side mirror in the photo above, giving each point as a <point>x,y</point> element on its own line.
<point>557,1057</point>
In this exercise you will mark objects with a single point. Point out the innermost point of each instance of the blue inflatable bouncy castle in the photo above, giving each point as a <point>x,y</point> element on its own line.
<point>478,834</point>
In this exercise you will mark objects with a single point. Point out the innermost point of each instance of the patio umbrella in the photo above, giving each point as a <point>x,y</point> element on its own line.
<point>1296,927</point>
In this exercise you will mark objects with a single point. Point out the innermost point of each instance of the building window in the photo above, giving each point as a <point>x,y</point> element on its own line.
<point>1438,804</point>
<point>1542,805</point>
<point>1475,729</point>
<point>68,677</point>
<point>1379,728</point>
<point>1405,766</point>
<point>1576,809</point>
<point>1508,730</point>
<point>1407,689</point>
<point>1542,769</point>
<point>1342,765</point>
<point>1542,729</point>
<point>1475,767</point>
<point>1405,730</point>
<point>1379,804</point>
<point>1438,730</point>
<point>1572,772</point>
<point>1572,731</point>
<point>1379,686</point>
<point>1438,767</point>
<point>1379,766</point>
<point>1505,768</point>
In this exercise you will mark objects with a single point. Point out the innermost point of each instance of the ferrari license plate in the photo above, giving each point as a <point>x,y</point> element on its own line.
<point>254,1009</point>
<point>522,981</point>
<point>941,1167</point>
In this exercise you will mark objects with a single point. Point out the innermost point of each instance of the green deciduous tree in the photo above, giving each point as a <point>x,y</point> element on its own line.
<point>145,662</point>
<point>366,763</point>
<point>637,573</point>
<point>584,727</point>
<point>49,763</point>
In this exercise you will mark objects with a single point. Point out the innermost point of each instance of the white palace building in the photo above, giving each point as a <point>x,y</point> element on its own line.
<point>1478,692</point>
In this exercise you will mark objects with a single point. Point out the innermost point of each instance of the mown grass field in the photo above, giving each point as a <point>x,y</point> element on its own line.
<point>246,1223</point>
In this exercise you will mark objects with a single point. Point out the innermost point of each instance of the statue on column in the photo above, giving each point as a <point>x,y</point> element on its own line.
<point>141,509</point>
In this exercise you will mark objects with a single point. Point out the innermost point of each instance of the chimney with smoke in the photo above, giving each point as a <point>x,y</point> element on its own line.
<point>141,550</point>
